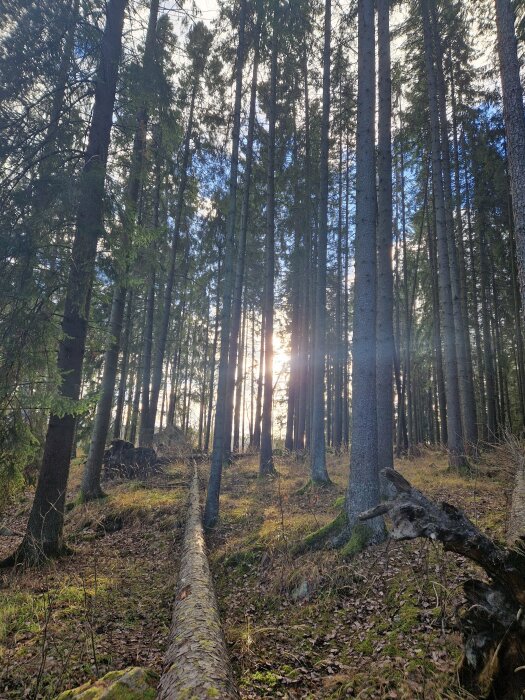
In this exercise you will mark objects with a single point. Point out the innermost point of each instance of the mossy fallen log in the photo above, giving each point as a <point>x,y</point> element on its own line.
<point>129,684</point>
<point>196,663</point>
<point>493,622</point>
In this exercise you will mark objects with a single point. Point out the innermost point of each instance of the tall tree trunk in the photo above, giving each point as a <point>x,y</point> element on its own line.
<point>266,455</point>
<point>146,360</point>
<point>454,427</point>
<point>338,344</point>
<point>44,530</point>
<point>156,380</point>
<point>363,484</point>
<point>90,488</point>
<point>211,510</point>
<point>239,383</point>
<point>124,365</point>
<point>258,400</point>
<point>204,369</point>
<point>241,252</point>
<point>465,379</point>
<point>319,473</point>
<point>475,305</point>
<point>213,355</point>
<point>514,117</point>
<point>385,291</point>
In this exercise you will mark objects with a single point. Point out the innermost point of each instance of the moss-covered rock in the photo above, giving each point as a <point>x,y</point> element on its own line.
<point>130,684</point>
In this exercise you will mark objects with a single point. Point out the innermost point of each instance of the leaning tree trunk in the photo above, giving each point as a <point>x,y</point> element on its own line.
<point>90,488</point>
<point>44,530</point>
<point>492,625</point>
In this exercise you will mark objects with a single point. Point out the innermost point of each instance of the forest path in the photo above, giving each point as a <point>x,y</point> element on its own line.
<point>196,663</point>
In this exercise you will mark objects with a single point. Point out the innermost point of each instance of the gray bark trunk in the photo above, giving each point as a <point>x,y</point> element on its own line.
<point>385,292</point>
<point>454,426</point>
<point>363,485</point>
<point>211,511</point>
<point>196,663</point>
<point>266,455</point>
<point>514,126</point>
<point>319,473</point>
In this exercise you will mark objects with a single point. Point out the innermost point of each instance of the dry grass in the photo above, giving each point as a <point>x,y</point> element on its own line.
<point>383,625</point>
<point>105,607</point>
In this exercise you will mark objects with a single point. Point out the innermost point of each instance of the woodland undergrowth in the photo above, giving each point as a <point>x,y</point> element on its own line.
<point>105,607</point>
<point>382,624</point>
<point>313,625</point>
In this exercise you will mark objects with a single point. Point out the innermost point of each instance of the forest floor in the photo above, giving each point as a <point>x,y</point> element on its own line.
<point>105,607</point>
<point>382,625</point>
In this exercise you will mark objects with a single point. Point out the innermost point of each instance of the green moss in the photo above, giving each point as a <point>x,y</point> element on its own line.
<point>365,646</point>
<point>339,502</point>
<point>244,560</point>
<point>289,672</point>
<point>319,537</point>
<point>267,678</point>
<point>311,485</point>
<point>360,537</point>
<point>20,612</point>
<point>408,617</point>
<point>130,684</point>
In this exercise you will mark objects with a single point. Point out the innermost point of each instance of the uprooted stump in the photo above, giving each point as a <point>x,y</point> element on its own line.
<point>196,663</point>
<point>493,624</point>
<point>122,460</point>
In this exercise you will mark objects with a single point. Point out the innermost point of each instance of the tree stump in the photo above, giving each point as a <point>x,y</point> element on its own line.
<point>493,624</point>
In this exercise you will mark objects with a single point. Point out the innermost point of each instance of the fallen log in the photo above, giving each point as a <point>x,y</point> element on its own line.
<point>196,663</point>
<point>493,622</point>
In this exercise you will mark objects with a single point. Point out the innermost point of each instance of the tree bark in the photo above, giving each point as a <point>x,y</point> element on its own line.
<point>514,117</point>
<point>211,511</point>
<point>124,366</point>
<point>196,664</point>
<point>43,536</point>
<point>454,427</point>
<point>319,474</point>
<point>385,291</point>
<point>363,485</point>
<point>266,466</point>
<point>149,427</point>
<point>241,250</point>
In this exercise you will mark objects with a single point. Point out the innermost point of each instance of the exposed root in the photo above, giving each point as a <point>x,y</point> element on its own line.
<point>326,535</point>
